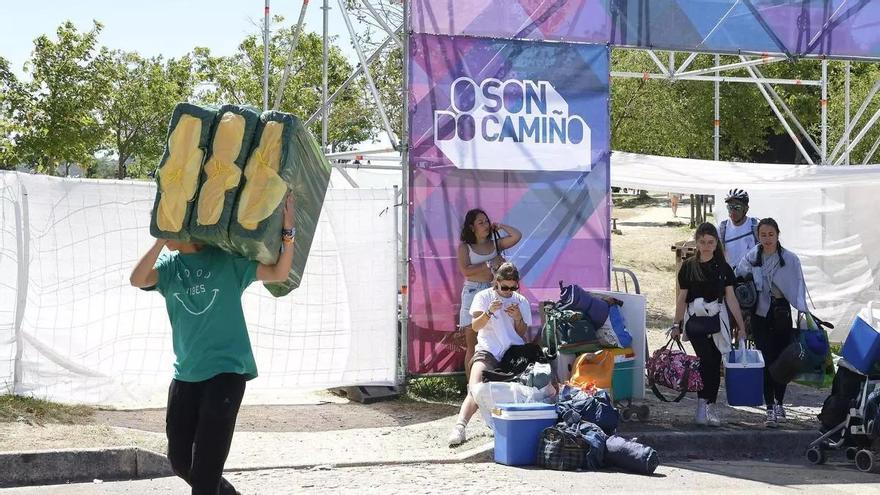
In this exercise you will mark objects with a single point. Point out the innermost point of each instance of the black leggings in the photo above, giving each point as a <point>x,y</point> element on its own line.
<point>772,334</point>
<point>710,367</point>
<point>199,423</point>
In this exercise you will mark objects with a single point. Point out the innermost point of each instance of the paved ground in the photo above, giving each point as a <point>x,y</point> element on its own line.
<point>754,477</point>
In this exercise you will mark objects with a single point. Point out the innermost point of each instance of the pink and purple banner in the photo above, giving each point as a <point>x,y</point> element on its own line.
<point>794,28</point>
<point>520,129</point>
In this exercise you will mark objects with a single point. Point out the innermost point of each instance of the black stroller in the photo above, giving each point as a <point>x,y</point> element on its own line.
<point>850,421</point>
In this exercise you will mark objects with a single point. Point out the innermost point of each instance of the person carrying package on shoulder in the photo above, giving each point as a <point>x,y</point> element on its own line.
<point>779,282</point>
<point>738,232</point>
<point>202,287</point>
<point>701,314</point>
<point>501,319</point>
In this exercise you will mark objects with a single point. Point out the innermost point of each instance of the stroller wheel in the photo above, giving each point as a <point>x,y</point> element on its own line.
<point>851,453</point>
<point>867,461</point>
<point>629,414</point>
<point>643,412</point>
<point>815,456</point>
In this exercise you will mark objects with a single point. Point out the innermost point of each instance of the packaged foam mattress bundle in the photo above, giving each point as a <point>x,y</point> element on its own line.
<point>284,156</point>
<point>233,135</point>
<point>189,133</point>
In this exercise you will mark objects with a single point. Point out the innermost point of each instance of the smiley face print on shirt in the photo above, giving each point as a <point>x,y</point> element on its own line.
<point>197,296</point>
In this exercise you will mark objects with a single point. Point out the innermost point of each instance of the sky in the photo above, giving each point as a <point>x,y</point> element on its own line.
<point>155,27</point>
<point>161,27</point>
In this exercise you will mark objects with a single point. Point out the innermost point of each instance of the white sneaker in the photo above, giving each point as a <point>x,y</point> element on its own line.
<point>457,435</point>
<point>770,422</point>
<point>700,416</point>
<point>780,413</point>
<point>712,415</point>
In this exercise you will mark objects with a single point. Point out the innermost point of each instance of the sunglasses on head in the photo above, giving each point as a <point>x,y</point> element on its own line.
<point>731,207</point>
<point>508,288</point>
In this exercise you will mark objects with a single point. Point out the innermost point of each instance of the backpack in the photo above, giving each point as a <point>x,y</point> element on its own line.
<point>722,231</point>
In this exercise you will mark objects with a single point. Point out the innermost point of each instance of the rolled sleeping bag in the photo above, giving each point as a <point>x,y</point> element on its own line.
<point>630,455</point>
<point>178,175</point>
<point>284,157</point>
<point>221,174</point>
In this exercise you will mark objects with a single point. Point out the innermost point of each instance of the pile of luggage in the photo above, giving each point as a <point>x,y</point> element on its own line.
<point>584,365</point>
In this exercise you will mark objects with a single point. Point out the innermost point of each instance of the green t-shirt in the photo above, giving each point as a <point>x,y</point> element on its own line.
<point>203,297</point>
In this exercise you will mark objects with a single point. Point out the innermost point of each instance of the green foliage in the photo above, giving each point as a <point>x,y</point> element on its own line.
<point>437,388</point>
<point>28,409</point>
<point>9,92</point>
<point>238,79</point>
<point>143,93</point>
<point>863,75</point>
<point>676,118</point>
<point>57,110</point>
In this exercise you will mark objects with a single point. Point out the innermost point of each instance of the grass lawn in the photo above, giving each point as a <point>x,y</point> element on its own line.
<point>36,411</point>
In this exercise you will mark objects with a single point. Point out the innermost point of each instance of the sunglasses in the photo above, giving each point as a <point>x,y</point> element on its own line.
<point>734,207</point>
<point>508,288</point>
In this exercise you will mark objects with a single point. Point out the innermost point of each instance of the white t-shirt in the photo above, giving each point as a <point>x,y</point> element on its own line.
<point>735,250</point>
<point>499,334</point>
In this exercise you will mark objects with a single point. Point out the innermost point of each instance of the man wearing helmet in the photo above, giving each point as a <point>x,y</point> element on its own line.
<point>738,233</point>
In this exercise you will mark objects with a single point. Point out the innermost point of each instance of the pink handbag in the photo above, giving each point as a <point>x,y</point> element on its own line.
<point>674,368</point>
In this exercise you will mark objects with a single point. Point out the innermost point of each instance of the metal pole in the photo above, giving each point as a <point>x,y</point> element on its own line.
<point>858,139</point>
<point>404,197</point>
<point>23,228</point>
<point>357,48</point>
<point>846,107</point>
<point>657,61</point>
<point>724,79</point>
<point>717,122</point>
<point>737,65</point>
<point>855,120</point>
<point>326,9</point>
<point>871,152</point>
<point>396,212</point>
<point>824,103</point>
<point>266,57</point>
<point>279,92</point>
<point>382,22</point>
<point>789,113</point>
<point>348,81</point>
<point>791,134</point>
<point>687,62</point>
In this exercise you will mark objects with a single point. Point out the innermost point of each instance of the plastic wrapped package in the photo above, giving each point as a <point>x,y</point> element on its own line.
<point>178,175</point>
<point>230,145</point>
<point>284,157</point>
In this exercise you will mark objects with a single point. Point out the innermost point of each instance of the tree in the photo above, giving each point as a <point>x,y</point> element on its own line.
<point>238,79</point>
<point>863,77</point>
<point>10,93</point>
<point>675,118</point>
<point>142,95</point>
<point>58,119</point>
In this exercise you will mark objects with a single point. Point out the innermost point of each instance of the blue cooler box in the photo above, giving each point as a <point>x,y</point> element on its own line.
<point>744,377</point>
<point>518,429</point>
<point>862,346</point>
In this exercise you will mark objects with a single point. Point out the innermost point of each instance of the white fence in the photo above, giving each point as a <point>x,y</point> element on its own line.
<point>73,330</point>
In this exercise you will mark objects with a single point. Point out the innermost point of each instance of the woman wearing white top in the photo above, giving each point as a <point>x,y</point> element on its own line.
<point>501,318</point>
<point>478,256</point>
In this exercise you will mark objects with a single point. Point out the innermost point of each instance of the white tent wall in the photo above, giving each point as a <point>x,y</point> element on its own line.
<point>832,230</point>
<point>84,335</point>
<point>827,216</point>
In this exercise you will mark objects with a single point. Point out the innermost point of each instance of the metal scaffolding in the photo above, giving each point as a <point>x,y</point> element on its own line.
<point>389,17</point>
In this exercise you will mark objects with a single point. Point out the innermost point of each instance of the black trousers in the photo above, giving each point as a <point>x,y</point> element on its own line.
<point>199,423</point>
<point>710,367</point>
<point>772,334</point>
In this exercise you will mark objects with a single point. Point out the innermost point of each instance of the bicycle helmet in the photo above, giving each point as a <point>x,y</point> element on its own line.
<point>737,194</point>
